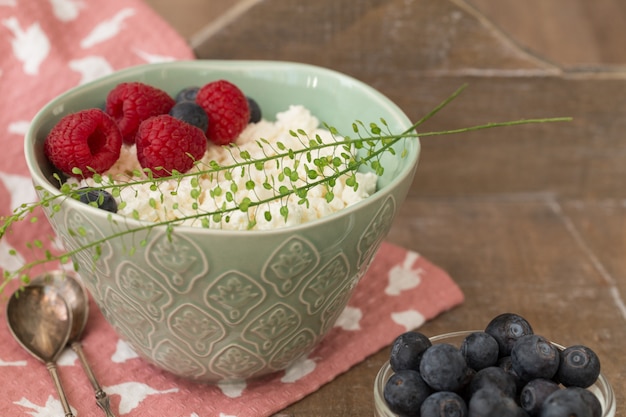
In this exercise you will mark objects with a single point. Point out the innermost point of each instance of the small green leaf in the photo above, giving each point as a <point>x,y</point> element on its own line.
<point>244,205</point>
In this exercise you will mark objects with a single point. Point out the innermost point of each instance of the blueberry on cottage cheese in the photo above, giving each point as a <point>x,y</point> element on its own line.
<point>533,356</point>
<point>407,350</point>
<point>443,367</point>
<point>255,110</point>
<point>405,392</point>
<point>506,329</point>
<point>192,113</point>
<point>187,94</point>
<point>101,199</point>
<point>480,350</point>
<point>443,404</point>
<point>579,367</point>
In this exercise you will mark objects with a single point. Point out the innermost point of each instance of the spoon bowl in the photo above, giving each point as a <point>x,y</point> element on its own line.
<point>71,288</point>
<point>41,322</point>
<point>75,295</point>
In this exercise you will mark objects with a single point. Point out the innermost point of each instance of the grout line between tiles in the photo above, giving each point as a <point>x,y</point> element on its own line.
<point>598,265</point>
<point>221,22</point>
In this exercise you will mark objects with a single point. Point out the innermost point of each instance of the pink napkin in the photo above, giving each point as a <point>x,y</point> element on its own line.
<point>400,292</point>
<point>48,46</point>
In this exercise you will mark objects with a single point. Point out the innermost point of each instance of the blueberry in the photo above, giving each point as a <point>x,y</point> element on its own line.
<point>443,367</point>
<point>573,401</point>
<point>591,400</point>
<point>480,350</point>
<point>98,198</point>
<point>506,329</point>
<point>533,356</point>
<point>443,404</point>
<point>191,113</point>
<point>255,110</point>
<point>494,378</point>
<point>506,364</point>
<point>535,393</point>
<point>490,402</point>
<point>407,350</point>
<point>187,94</point>
<point>405,391</point>
<point>579,367</point>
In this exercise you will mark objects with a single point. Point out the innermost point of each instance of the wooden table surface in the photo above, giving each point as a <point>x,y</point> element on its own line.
<point>528,219</point>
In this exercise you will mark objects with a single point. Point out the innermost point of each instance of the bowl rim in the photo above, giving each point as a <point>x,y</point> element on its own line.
<point>210,65</point>
<point>380,378</point>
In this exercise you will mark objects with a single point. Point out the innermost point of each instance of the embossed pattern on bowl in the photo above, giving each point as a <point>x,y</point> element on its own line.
<point>217,305</point>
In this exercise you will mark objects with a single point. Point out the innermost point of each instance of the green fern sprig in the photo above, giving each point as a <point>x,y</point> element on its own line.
<point>324,163</point>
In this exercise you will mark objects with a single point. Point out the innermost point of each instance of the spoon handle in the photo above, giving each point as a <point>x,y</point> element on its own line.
<point>52,368</point>
<point>101,397</point>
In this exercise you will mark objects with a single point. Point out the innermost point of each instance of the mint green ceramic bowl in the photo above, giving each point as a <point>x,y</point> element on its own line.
<point>216,305</point>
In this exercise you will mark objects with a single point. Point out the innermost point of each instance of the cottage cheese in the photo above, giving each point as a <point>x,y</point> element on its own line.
<point>173,198</point>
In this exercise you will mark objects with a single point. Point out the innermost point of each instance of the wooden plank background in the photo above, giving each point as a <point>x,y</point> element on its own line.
<point>529,219</point>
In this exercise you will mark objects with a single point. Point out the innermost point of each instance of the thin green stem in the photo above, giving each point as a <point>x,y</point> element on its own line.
<point>364,150</point>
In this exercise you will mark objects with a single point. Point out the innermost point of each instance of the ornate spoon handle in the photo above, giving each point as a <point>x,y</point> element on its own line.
<point>52,368</point>
<point>101,397</point>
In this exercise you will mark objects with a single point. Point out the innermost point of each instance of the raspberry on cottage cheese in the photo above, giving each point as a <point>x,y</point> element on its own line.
<point>180,199</point>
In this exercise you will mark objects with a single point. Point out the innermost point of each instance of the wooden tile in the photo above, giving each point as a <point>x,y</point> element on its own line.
<point>571,33</point>
<point>189,17</point>
<point>528,219</point>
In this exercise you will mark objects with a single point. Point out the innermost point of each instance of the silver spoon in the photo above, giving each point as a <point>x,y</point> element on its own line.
<point>75,295</point>
<point>41,322</point>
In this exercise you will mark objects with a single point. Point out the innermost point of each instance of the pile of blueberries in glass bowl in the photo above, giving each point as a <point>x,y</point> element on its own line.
<point>504,370</point>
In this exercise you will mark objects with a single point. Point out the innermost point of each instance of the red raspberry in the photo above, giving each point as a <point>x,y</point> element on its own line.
<point>227,108</point>
<point>165,144</point>
<point>131,103</point>
<point>88,140</point>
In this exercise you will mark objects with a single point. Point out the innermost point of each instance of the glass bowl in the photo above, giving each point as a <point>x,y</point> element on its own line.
<point>601,388</point>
